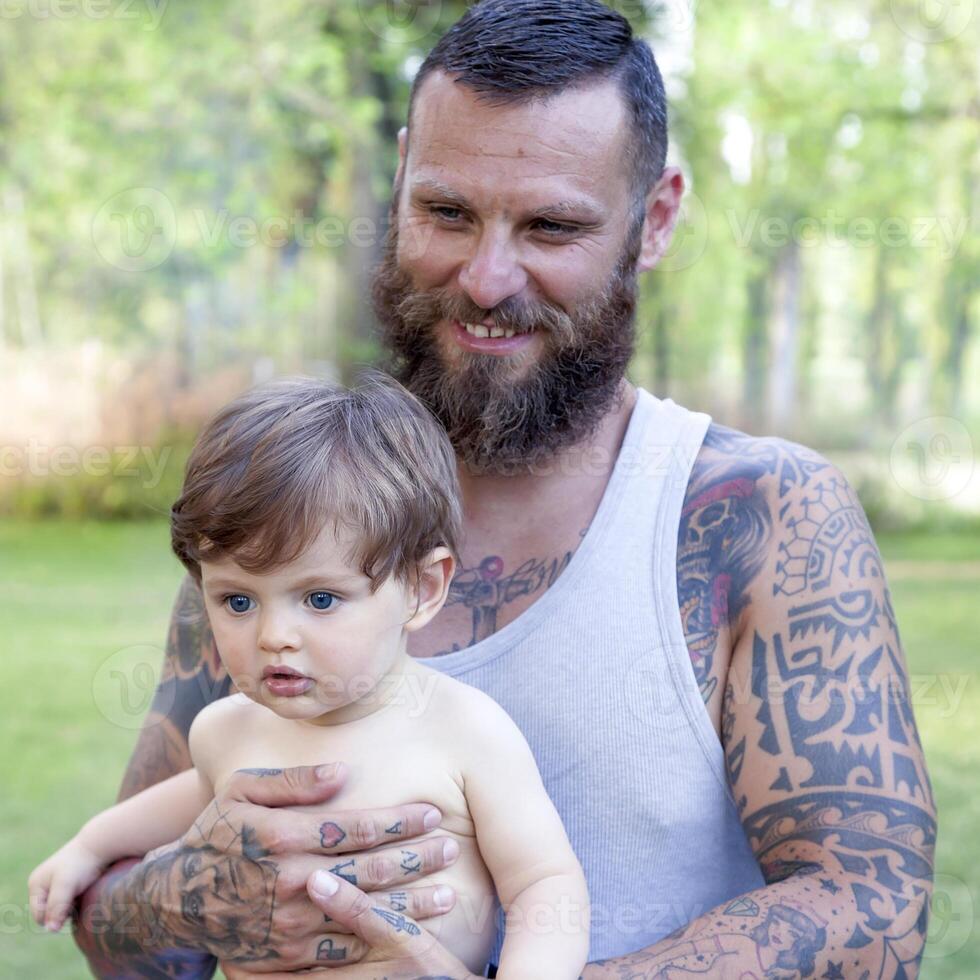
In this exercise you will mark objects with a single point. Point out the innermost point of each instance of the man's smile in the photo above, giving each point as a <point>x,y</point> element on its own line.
<point>482,338</point>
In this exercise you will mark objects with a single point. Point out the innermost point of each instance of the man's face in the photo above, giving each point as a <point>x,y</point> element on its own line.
<point>508,288</point>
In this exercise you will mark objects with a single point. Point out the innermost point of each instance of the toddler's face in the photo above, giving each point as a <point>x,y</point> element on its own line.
<point>309,640</point>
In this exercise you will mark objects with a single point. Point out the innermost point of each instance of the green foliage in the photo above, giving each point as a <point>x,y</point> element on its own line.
<point>190,182</point>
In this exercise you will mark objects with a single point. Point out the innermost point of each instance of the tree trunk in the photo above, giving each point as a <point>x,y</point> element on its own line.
<point>22,269</point>
<point>785,333</point>
<point>754,352</point>
<point>959,312</point>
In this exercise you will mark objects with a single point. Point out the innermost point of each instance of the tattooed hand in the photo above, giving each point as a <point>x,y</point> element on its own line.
<point>235,884</point>
<point>395,947</point>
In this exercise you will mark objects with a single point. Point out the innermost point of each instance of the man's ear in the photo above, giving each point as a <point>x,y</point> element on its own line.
<point>431,587</point>
<point>662,206</point>
<point>402,154</point>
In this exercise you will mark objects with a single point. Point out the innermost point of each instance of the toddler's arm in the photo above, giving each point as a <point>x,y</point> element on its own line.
<point>156,816</point>
<point>538,878</point>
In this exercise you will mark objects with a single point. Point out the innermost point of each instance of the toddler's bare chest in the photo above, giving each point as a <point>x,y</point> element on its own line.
<point>385,769</point>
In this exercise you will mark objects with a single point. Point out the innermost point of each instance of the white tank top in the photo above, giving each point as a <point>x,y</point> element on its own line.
<point>597,675</point>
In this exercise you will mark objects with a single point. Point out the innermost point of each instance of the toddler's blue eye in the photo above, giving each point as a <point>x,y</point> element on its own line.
<point>239,603</point>
<point>321,600</point>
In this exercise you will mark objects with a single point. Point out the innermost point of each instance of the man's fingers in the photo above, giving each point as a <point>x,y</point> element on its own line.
<point>299,786</point>
<point>289,831</point>
<point>382,929</point>
<point>417,903</point>
<point>391,867</point>
<point>359,830</point>
<point>324,952</point>
<point>338,950</point>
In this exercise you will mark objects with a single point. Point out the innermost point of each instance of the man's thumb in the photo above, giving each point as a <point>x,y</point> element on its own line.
<point>301,785</point>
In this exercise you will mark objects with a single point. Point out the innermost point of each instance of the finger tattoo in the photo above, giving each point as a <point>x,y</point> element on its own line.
<point>327,950</point>
<point>397,921</point>
<point>410,862</point>
<point>330,834</point>
<point>347,876</point>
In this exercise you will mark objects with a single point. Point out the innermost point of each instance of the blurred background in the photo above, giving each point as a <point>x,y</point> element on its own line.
<point>192,199</point>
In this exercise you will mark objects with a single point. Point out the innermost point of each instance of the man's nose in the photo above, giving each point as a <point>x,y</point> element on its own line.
<point>277,634</point>
<point>494,272</point>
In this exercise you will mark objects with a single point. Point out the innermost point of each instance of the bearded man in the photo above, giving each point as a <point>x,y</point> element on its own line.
<point>690,625</point>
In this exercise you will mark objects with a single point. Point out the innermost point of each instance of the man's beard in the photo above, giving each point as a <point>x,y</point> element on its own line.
<point>501,419</point>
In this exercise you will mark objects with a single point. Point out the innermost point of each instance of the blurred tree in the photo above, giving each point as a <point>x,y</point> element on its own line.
<point>211,181</point>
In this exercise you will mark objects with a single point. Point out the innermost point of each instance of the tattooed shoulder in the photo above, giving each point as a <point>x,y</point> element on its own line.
<point>726,547</point>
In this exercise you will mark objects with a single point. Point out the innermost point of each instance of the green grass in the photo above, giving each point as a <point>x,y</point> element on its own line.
<point>83,610</point>
<point>77,602</point>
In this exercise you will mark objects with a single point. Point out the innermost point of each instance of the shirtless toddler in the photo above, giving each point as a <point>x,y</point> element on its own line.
<point>322,525</point>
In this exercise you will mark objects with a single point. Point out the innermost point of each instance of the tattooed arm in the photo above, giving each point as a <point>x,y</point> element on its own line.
<point>786,609</point>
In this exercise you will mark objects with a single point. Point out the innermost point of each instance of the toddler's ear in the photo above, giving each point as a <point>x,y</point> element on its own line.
<point>431,587</point>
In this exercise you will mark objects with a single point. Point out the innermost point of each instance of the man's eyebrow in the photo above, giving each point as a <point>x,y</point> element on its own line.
<point>581,209</point>
<point>428,185</point>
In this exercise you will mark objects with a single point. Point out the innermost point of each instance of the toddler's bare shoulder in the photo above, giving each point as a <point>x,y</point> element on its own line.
<point>221,718</point>
<point>471,726</point>
<point>453,700</point>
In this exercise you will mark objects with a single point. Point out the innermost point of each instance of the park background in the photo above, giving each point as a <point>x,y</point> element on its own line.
<point>192,198</point>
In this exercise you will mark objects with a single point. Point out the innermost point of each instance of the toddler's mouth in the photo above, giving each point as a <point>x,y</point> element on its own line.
<point>282,672</point>
<point>286,682</point>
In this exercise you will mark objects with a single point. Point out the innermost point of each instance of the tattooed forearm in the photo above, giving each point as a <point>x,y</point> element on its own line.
<point>188,897</point>
<point>878,848</point>
<point>777,932</point>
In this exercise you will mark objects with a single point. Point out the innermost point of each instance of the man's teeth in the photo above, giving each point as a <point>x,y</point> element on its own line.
<point>479,330</point>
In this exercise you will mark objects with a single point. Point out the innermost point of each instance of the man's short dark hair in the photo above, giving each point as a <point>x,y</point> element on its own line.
<point>512,51</point>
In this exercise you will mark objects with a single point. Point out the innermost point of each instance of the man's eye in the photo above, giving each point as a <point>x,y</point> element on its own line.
<point>238,603</point>
<point>447,213</point>
<point>555,228</point>
<point>322,600</point>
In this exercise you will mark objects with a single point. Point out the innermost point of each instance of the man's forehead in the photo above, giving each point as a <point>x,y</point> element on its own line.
<point>579,133</point>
